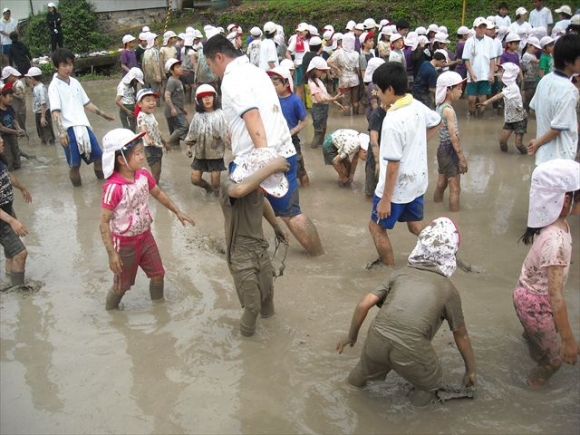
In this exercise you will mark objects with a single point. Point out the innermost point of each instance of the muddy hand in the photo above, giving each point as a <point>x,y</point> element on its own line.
<point>115,263</point>
<point>183,218</point>
<point>342,343</point>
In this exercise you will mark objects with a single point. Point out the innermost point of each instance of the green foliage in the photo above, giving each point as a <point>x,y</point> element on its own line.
<point>79,25</point>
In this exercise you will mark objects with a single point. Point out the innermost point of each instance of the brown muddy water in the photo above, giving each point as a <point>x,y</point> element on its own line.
<point>68,366</point>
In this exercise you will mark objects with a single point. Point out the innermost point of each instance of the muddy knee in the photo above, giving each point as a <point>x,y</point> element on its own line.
<point>74,174</point>
<point>248,322</point>
<point>156,288</point>
<point>113,300</point>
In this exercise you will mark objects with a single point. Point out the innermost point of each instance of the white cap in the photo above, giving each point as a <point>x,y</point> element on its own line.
<point>232,36</point>
<point>491,18</point>
<point>441,37</point>
<point>350,25</point>
<point>51,5</point>
<point>143,36</point>
<point>182,36</point>
<point>384,22</point>
<point>189,29</point>
<point>34,72</point>
<point>313,30</point>
<point>359,26</point>
<point>231,27</point>
<point>270,27</point>
<point>395,37</point>
<point>513,37</point>
<point>170,63</point>
<point>479,21</point>
<point>432,28</point>
<point>204,90</point>
<point>521,11</point>
<point>550,182</point>
<point>114,141</point>
<point>410,39</point>
<point>328,27</point>
<point>337,37</point>
<point>575,20</point>
<point>532,40</point>
<point>144,92</point>
<point>167,36</point>
<point>133,74</point>
<point>370,23</point>
<point>9,71</point>
<point>5,10</point>
<point>256,31</point>
<point>275,185</point>
<point>327,35</point>
<point>421,30</point>
<point>315,40</point>
<point>489,24</point>
<point>145,29</point>
<point>372,65</point>
<point>197,34</point>
<point>288,64</point>
<point>463,30</point>
<point>443,29</point>
<point>284,73</point>
<point>318,62</point>
<point>564,10</point>
<point>302,27</point>
<point>128,38</point>
<point>546,40</point>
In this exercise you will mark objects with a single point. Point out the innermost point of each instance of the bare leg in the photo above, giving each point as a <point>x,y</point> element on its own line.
<point>156,285</point>
<point>471,100</point>
<point>416,227</point>
<point>440,188</point>
<point>98,168</point>
<point>215,181</point>
<point>454,190</point>
<point>303,229</point>
<point>352,168</point>
<point>156,171</point>
<point>482,99</point>
<point>541,374</point>
<point>382,243</point>
<point>197,180</point>
<point>519,144</point>
<point>503,140</point>
<point>74,173</point>
<point>18,262</point>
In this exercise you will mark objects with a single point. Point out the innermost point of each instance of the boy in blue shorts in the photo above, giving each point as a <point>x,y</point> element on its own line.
<point>68,102</point>
<point>403,173</point>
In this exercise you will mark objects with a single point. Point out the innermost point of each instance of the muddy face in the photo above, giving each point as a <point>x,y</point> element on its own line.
<point>67,365</point>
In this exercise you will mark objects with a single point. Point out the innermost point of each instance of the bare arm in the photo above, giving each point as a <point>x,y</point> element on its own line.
<point>454,136</point>
<point>17,226</point>
<point>255,128</point>
<point>252,182</point>
<point>569,350</point>
<point>491,100</point>
<point>164,200</point>
<point>16,183</point>
<point>115,263</point>
<point>358,317</point>
<point>120,106</point>
<point>467,63</point>
<point>62,134</point>
<point>432,131</point>
<point>548,136</point>
<point>463,343</point>
<point>92,108</point>
<point>384,205</point>
<point>270,216</point>
<point>375,149</point>
<point>298,127</point>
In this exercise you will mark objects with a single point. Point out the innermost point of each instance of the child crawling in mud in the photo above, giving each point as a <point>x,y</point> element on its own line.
<point>244,205</point>
<point>402,342</point>
<point>125,218</point>
<point>538,298</point>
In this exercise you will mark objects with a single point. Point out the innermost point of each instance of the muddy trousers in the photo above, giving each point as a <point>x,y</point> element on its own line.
<point>319,113</point>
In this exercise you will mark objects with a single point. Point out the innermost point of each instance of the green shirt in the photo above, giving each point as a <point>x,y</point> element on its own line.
<point>546,64</point>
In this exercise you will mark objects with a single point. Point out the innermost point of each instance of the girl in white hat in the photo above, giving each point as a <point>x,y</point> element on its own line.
<point>538,297</point>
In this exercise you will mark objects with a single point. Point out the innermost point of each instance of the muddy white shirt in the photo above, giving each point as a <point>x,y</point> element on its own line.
<point>246,87</point>
<point>404,140</point>
<point>39,97</point>
<point>70,99</point>
<point>554,103</point>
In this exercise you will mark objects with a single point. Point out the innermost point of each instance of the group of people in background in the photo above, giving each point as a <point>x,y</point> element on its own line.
<point>252,97</point>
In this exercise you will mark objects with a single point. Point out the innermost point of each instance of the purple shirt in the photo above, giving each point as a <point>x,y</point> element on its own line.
<point>407,51</point>
<point>129,58</point>
<point>509,57</point>
<point>460,68</point>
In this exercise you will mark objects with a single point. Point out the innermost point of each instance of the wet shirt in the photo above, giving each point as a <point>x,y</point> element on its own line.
<point>129,201</point>
<point>529,68</point>
<point>444,136</point>
<point>318,91</point>
<point>151,66</point>
<point>552,247</point>
<point>147,122</point>
<point>39,97</point>
<point>253,52</point>
<point>6,190</point>
<point>346,141</point>
<point>127,93</point>
<point>243,218</point>
<point>268,54</point>
<point>513,104</point>
<point>413,304</point>
<point>175,88</point>
<point>347,64</point>
<point>208,132</point>
<point>70,99</point>
<point>7,117</point>
<point>293,110</point>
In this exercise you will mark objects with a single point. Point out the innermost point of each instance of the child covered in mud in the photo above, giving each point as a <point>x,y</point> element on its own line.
<point>11,229</point>
<point>125,99</point>
<point>147,124</point>
<point>450,158</point>
<point>125,217</point>
<point>515,116</point>
<point>341,149</point>
<point>40,107</point>
<point>10,131</point>
<point>402,342</point>
<point>244,205</point>
<point>174,110</point>
<point>207,139</point>
<point>538,297</point>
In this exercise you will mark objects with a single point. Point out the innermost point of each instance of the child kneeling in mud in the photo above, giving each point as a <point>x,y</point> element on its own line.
<point>342,149</point>
<point>243,204</point>
<point>125,217</point>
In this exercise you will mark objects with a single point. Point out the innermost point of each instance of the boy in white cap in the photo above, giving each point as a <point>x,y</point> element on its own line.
<point>174,110</point>
<point>539,294</point>
<point>68,103</point>
<point>7,26</point>
<point>253,50</point>
<point>125,217</point>
<point>128,58</point>
<point>244,207</point>
<point>413,303</point>
<point>341,149</point>
<point>40,106</point>
<point>268,51</point>
<point>12,76</point>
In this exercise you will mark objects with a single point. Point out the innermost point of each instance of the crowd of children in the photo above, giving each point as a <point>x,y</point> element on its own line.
<point>408,84</point>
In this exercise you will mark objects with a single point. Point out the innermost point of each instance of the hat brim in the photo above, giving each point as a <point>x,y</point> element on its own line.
<point>109,156</point>
<point>154,94</point>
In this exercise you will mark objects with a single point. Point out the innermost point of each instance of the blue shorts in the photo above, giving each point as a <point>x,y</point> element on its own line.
<point>299,77</point>
<point>73,157</point>
<point>411,212</point>
<point>289,204</point>
<point>6,49</point>
<point>482,87</point>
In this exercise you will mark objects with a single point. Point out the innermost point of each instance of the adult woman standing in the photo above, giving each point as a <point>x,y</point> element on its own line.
<point>54,21</point>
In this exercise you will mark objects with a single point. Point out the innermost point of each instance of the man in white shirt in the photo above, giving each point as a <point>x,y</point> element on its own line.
<point>7,26</point>
<point>479,54</point>
<point>268,51</point>
<point>541,16</point>
<point>252,109</point>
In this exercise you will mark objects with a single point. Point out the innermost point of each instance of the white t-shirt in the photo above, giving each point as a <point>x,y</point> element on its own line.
<point>520,28</point>
<point>541,18</point>
<point>268,53</point>
<point>253,51</point>
<point>70,99</point>
<point>298,55</point>
<point>246,87</point>
<point>39,97</point>
<point>126,93</point>
<point>555,105</point>
<point>563,24</point>
<point>479,52</point>
<point>8,27</point>
<point>404,140</point>
<point>502,21</point>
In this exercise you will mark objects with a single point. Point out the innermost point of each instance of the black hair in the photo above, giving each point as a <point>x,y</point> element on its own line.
<point>502,5</point>
<point>62,55</point>
<point>217,104</point>
<point>391,74</point>
<point>14,36</point>
<point>118,154</point>
<point>402,24</point>
<point>439,56</point>
<point>566,50</point>
<point>315,48</point>
<point>3,92</point>
<point>219,44</point>
<point>268,35</point>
